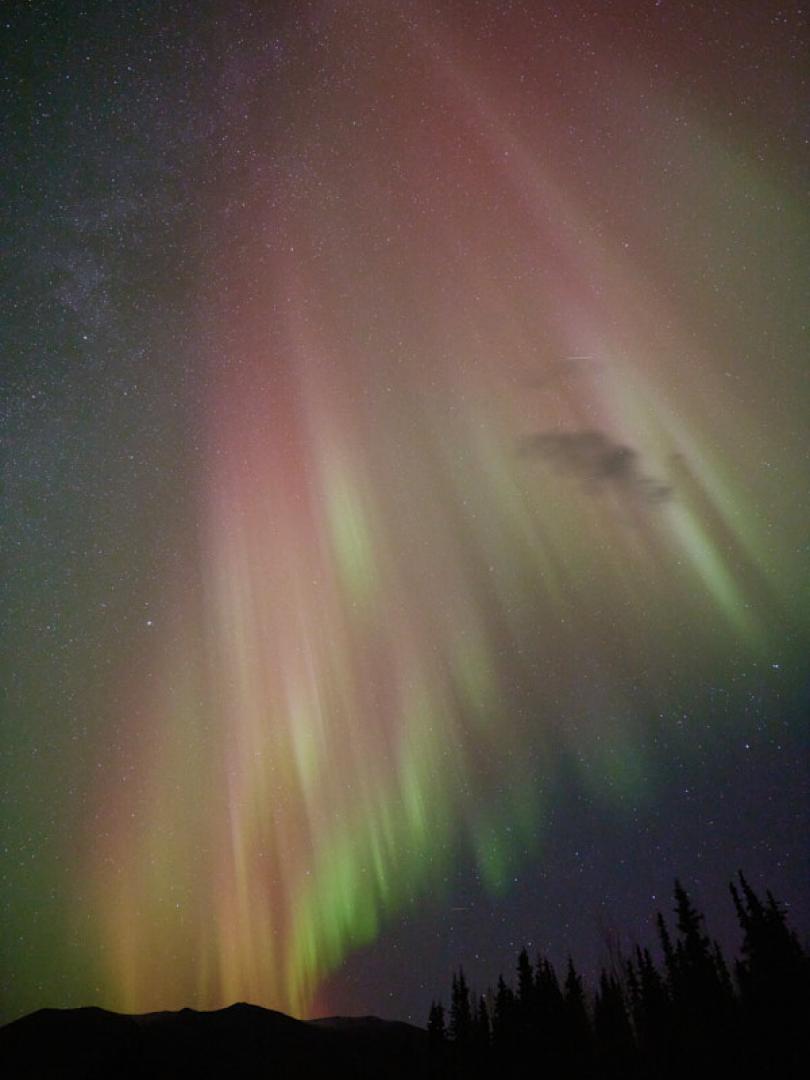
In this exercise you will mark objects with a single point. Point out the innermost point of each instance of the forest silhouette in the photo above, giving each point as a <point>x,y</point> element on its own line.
<point>643,1020</point>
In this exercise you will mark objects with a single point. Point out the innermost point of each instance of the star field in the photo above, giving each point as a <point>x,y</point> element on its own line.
<point>406,491</point>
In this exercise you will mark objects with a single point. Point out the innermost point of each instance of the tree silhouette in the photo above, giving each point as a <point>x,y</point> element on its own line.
<point>437,1039</point>
<point>504,1023</point>
<point>460,1012</point>
<point>616,1051</point>
<point>436,1027</point>
<point>480,1038</point>
<point>525,991</point>
<point>702,1001</point>
<point>577,1024</point>
<point>651,1010</point>
<point>773,974</point>
<point>525,1019</point>
<point>550,1010</point>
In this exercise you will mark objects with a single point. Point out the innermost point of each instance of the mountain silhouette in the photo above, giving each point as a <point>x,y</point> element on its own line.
<point>242,1041</point>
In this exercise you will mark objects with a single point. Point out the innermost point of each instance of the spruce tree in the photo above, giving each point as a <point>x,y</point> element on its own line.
<point>577,1025</point>
<point>550,1008</point>
<point>480,1037</point>
<point>460,1012</point>
<point>702,1003</point>
<point>503,1028</point>
<point>436,1026</point>
<point>652,1013</point>
<point>773,974</point>
<point>615,1045</point>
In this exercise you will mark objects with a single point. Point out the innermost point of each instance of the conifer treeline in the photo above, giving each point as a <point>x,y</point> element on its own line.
<point>643,1021</point>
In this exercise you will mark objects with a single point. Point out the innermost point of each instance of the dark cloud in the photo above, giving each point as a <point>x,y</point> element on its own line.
<point>597,460</point>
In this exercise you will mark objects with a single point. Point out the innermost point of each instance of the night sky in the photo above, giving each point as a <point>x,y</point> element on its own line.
<point>406,464</point>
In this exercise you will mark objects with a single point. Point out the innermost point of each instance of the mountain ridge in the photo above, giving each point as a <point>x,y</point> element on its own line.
<point>239,1040</point>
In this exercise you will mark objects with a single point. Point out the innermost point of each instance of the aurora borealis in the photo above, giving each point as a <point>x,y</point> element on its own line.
<point>406,467</point>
